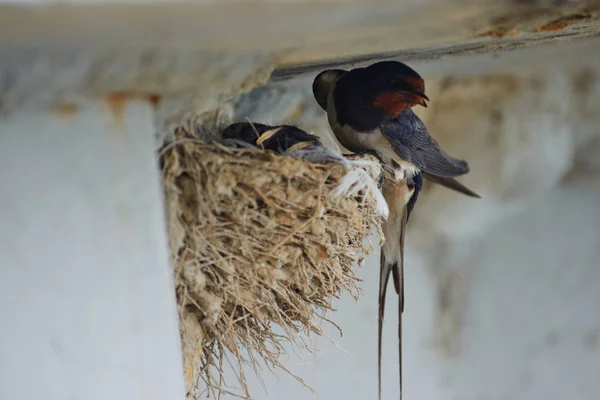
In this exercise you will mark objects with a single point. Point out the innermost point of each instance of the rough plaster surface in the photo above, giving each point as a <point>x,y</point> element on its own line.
<point>181,84</point>
<point>201,52</point>
<point>326,29</point>
<point>517,134</point>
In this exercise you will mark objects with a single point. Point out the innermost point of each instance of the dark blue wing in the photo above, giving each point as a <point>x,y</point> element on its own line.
<point>411,141</point>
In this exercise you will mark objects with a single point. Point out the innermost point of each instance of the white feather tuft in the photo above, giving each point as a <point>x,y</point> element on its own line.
<point>358,179</point>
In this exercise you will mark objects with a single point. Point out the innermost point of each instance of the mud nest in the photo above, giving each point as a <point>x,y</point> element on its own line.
<point>258,240</point>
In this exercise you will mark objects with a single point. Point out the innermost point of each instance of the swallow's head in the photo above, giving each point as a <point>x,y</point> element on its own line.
<point>364,97</point>
<point>395,87</point>
<point>323,84</point>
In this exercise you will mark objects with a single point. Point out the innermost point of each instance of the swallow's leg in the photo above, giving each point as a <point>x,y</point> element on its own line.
<point>388,169</point>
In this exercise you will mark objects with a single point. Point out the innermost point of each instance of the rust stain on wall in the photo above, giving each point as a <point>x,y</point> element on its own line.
<point>116,103</point>
<point>562,22</point>
<point>66,111</point>
<point>116,100</point>
<point>499,32</point>
<point>539,18</point>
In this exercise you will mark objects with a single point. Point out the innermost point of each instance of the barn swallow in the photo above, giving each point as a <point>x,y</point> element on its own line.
<point>280,138</point>
<point>367,96</point>
<point>370,111</point>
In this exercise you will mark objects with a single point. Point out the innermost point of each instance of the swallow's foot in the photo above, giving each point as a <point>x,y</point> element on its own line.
<point>380,181</point>
<point>388,169</point>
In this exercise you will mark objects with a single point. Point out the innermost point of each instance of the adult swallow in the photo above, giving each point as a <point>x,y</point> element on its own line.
<point>279,138</point>
<point>369,110</point>
<point>357,105</point>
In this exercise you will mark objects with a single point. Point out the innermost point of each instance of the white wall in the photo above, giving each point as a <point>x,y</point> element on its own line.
<point>86,293</point>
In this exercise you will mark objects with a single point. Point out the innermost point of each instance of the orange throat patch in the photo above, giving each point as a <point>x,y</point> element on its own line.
<point>393,103</point>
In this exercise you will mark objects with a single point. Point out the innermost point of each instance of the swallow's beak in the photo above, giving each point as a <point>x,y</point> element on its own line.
<point>413,97</point>
<point>396,101</point>
<point>419,98</point>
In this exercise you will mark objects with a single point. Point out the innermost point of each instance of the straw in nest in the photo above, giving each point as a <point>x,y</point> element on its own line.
<point>257,239</point>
